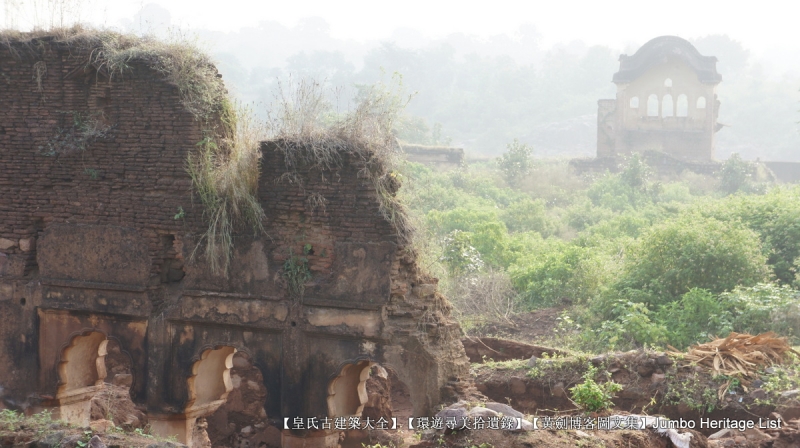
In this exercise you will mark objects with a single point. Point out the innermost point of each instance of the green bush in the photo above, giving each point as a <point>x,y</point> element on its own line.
<point>775,217</point>
<point>516,162</point>
<point>543,279</point>
<point>764,307</point>
<point>625,325</point>
<point>697,317</point>
<point>460,255</point>
<point>735,174</point>
<point>593,396</point>
<point>528,214</point>
<point>691,252</point>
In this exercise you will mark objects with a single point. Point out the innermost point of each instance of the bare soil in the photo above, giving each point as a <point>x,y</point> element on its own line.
<point>533,327</point>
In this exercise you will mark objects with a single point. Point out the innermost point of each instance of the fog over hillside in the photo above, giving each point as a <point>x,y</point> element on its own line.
<point>483,87</point>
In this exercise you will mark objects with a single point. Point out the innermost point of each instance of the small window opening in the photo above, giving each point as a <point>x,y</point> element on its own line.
<point>635,102</point>
<point>172,268</point>
<point>701,102</point>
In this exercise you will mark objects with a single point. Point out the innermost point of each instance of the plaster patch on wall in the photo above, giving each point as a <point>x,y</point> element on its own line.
<point>368,322</point>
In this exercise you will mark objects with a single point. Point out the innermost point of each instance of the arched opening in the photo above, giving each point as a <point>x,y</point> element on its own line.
<point>113,401</point>
<point>634,102</point>
<point>242,421</point>
<point>82,362</point>
<point>118,365</point>
<point>81,372</point>
<point>372,392</point>
<point>668,82</point>
<point>210,382</point>
<point>682,106</point>
<point>701,102</point>
<point>667,106</point>
<point>347,393</point>
<point>208,388</point>
<point>652,106</point>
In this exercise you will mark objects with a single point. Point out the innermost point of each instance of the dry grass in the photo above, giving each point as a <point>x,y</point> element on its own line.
<point>483,298</point>
<point>310,134</point>
<point>225,175</point>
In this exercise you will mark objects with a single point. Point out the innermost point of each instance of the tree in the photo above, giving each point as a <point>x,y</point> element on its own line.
<point>516,162</point>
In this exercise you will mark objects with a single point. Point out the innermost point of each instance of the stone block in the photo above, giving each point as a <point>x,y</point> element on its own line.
<point>6,243</point>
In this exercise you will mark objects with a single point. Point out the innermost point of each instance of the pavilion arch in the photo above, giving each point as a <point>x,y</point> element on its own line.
<point>81,373</point>
<point>682,106</point>
<point>652,105</point>
<point>667,106</point>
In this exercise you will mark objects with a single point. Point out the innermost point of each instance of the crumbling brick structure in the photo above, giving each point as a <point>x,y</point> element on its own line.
<point>98,229</point>
<point>666,102</point>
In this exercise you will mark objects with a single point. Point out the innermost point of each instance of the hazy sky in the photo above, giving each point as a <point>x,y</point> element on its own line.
<point>764,27</point>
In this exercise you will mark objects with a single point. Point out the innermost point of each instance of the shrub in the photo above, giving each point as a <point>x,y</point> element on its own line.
<point>526,215</point>
<point>459,254</point>
<point>735,174</point>
<point>764,307</point>
<point>697,317</point>
<point>622,325</point>
<point>593,396</point>
<point>483,297</point>
<point>775,217</point>
<point>545,278</point>
<point>691,252</point>
<point>516,162</point>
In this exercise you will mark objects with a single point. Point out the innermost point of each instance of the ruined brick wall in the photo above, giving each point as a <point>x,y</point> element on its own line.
<point>133,177</point>
<point>92,240</point>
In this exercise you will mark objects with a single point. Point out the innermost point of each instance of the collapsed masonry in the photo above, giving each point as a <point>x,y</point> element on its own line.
<point>98,225</point>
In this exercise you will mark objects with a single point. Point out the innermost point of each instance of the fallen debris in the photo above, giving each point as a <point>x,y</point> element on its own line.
<point>739,354</point>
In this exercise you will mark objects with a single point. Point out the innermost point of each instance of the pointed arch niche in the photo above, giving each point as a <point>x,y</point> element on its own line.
<point>347,393</point>
<point>81,373</point>
<point>208,388</point>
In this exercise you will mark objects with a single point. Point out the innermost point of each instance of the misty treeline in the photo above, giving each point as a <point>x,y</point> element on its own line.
<point>633,258</point>
<point>482,94</point>
<point>479,93</point>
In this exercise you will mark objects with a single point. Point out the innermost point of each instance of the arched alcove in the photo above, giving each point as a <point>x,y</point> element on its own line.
<point>634,103</point>
<point>81,373</point>
<point>701,102</point>
<point>211,380</point>
<point>243,407</point>
<point>347,393</point>
<point>83,362</point>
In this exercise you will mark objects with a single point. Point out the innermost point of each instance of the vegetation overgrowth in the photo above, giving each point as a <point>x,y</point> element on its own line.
<point>638,259</point>
<point>313,134</point>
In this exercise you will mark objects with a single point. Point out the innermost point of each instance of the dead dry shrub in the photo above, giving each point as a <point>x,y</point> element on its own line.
<point>310,134</point>
<point>483,298</point>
